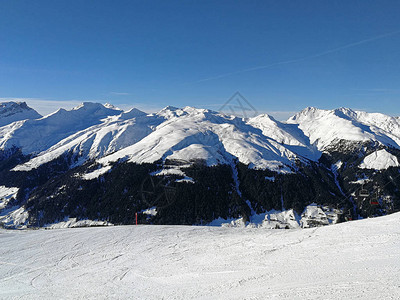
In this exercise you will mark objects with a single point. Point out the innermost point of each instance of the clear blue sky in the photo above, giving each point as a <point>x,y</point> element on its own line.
<point>281,55</point>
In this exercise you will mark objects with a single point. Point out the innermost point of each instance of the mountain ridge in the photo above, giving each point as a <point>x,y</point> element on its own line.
<point>94,160</point>
<point>261,141</point>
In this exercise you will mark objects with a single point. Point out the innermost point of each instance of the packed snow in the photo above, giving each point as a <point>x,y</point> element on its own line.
<point>379,160</point>
<point>353,260</point>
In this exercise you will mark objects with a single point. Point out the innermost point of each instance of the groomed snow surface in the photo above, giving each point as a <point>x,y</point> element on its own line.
<point>353,260</point>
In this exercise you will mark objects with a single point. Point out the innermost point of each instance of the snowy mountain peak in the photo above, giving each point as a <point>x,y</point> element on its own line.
<point>132,113</point>
<point>171,108</point>
<point>16,111</point>
<point>344,112</point>
<point>310,110</point>
<point>97,107</point>
<point>171,112</point>
<point>325,127</point>
<point>310,113</point>
<point>265,118</point>
<point>109,105</point>
<point>9,108</point>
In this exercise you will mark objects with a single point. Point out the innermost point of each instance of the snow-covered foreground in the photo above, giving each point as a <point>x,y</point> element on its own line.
<point>359,259</point>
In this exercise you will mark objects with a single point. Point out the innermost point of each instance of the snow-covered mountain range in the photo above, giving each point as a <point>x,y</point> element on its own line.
<point>94,131</point>
<point>100,136</point>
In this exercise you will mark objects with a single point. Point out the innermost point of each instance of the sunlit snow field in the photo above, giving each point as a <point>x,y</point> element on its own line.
<point>359,259</point>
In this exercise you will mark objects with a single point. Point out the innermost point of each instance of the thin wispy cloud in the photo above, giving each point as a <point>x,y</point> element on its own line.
<point>286,62</point>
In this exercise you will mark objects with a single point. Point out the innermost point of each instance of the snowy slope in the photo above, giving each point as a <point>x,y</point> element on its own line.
<point>189,134</point>
<point>34,136</point>
<point>379,160</point>
<point>184,134</point>
<point>6,193</point>
<point>112,134</point>
<point>288,134</point>
<point>354,260</point>
<point>382,125</point>
<point>324,127</point>
<point>16,111</point>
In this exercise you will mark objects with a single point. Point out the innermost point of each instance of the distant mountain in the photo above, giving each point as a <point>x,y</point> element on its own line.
<point>326,127</point>
<point>33,136</point>
<point>107,136</point>
<point>16,111</point>
<point>95,160</point>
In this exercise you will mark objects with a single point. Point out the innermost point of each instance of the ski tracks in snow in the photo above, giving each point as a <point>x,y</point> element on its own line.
<point>359,259</point>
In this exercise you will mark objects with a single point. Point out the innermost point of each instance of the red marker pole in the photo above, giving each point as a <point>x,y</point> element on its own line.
<point>136,217</point>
